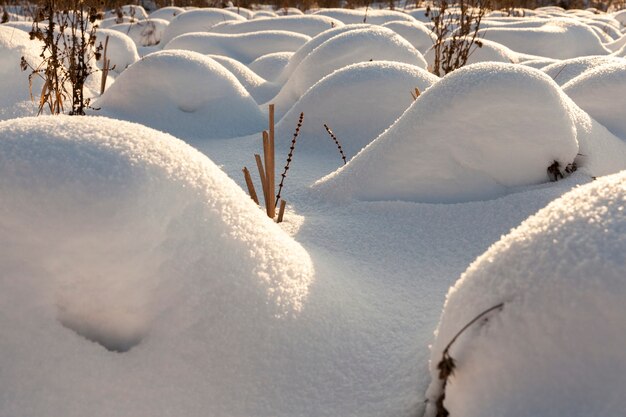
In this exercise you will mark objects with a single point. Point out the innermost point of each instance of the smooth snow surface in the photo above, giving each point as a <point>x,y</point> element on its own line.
<point>143,33</point>
<point>381,90</point>
<point>601,92</point>
<point>270,66</point>
<point>557,346</point>
<point>166,13</point>
<point>121,49</point>
<point>306,25</point>
<point>420,36</point>
<point>183,93</point>
<point>259,89</point>
<point>118,234</point>
<point>566,70</point>
<point>489,51</point>
<point>475,134</point>
<point>197,20</point>
<point>373,17</point>
<point>244,47</point>
<point>359,45</point>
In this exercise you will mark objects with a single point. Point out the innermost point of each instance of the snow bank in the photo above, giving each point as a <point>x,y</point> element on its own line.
<point>566,70</point>
<point>197,20</point>
<point>359,45</point>
<point>556,38</point>
<point>14,84</point>
<point>241,11</point>
<point>145,32</point>
<point>556,347</point>
<point>244,47</point>
<point>489,51</point>
<point>270,66</point>
<point>166,13</point>
<point>601,92</point>
<point>121,49</point>
<point>358,102</point>
<point>478,132</point>
<point>373,17</point>
<point>121,235</point>
<point>184,93</point>
<point>420,36</point>
<point>306,25</point>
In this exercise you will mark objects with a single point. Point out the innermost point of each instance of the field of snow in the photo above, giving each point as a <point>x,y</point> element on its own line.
<point>138,277</point>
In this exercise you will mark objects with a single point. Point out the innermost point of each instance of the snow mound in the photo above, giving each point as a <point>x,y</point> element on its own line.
<point>556,38</point>
<point>261,14</point>
<point>244,47</point>
<point>420,36</point>
<point>620,16</point>
<point>145,32</point>
<point>359,45</point>
<point>121,49</point>
<point>192,95</point>
<point>14,84</point>
<point>258,88</point>
<point>112,21</point>
<point>556,346</point>
<point>241,11</point>
<point>374,17</point>
<point>270,66</point>
<point>564,71</point>
<point>128,10</point>
<point>127,236</point>
<point>311,45</point>
<point>357,102</point>
<point>306,25</point>
<point>478,132</point>
<point>166,13</point>
<point>197,20</point>
<point>617,44</point>
<point>601,92</point>
<point>489,51</point>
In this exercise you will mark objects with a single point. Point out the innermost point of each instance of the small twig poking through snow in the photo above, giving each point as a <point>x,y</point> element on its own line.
<point>415,93</point>
<point>332,135</point>
<point>447,365</point>
<point>559,73</point>
<point>289,157</point>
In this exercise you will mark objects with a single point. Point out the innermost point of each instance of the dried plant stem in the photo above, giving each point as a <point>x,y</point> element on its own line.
<point>415,93</point>
<point>289,157</point>
<point>105,66</point>
<point>332,135</point>
<point>259,164</point>
<point>270,164</point>
<point>447,365</point>
<point>281,211</point>
<point>250,184</point>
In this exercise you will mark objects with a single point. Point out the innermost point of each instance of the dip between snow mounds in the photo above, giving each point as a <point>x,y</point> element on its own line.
<point>305,24</point>
<point>358,102</point>
<point>359,45</point>
<point>564,71</point>
<point>244,47</point>
<point>128,237</point>
<point>557,346</point>
<point>559,38</point>
<point>259,89</point>
<point>197,20</point>
<point>418,34</point>
<point>601,92</point>
<point>474,135</point>
<point>192,95</point>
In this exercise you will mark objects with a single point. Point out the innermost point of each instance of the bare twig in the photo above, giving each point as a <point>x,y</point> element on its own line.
<point>332,135</point>
<point>289,157</point>
<point>281,211</point>
<point>250,184</point>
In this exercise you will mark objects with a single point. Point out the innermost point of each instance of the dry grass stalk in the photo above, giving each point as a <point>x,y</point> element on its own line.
<point>106,66</point>
<point>415,93</point>
<point>259,164</point>
<point>270,164</point>
<point>332,135</point>
<point>281,211</point>
<point>447,365</point>
<point>268,192</point>
<point>289,157</point>
<point>250,184</point>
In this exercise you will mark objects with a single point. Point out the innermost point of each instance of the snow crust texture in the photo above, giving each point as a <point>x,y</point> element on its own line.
<point>475,134</point>
<point>556,347</point>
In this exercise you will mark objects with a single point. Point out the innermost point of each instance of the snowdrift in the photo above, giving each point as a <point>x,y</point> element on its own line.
<point>184,93</point>
<point>418,34</point>
<point>561,331</point>
<point>121,49</point>
<point>489,51</point>
<point>555,38</point>
<point>359,45</point>
<point>373,17</point>
<point>245,47</point>
<point>357,102</point>
<point>564,71</point>
<point>258,88</point>
<point>475,134</point>
<point>145,32</point>
<point>270,66</point>
<point>197,20</point>
<point>120,237</point>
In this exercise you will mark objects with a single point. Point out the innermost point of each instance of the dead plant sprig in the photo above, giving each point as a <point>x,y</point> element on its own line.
<point>447,364</point>
<point>332,135</point>
<point>289,157</point>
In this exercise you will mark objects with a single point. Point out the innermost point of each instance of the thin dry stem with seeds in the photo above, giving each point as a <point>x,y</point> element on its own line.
<point>289,156</point>
<point>332,135</point>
